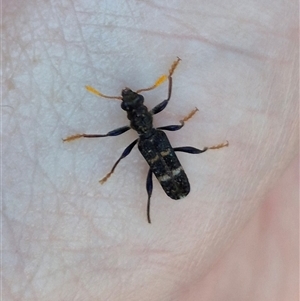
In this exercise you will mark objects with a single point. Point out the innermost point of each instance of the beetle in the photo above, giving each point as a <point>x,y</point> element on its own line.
<point>152,142</point>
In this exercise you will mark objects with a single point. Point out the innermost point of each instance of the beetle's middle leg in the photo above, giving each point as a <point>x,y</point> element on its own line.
<point>125,153</point>
<point>178,127</point>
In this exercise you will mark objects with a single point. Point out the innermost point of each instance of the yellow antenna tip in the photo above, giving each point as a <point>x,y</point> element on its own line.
<point>96,92</point>
<point>93,90</point>
<point>161,80</point>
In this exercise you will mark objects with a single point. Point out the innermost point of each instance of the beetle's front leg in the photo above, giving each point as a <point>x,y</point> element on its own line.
<point>115,132</point>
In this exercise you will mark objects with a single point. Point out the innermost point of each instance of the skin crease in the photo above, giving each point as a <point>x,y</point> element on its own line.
<point>65,236</point>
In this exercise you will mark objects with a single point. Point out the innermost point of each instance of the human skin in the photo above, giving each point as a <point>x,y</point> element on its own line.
<point>65,236</point>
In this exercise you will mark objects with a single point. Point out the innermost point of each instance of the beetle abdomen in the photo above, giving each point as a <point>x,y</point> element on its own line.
<point>165,165</point>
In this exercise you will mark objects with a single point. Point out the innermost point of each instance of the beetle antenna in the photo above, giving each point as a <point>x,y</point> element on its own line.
<point>162,79</point>
<point>97,93</point>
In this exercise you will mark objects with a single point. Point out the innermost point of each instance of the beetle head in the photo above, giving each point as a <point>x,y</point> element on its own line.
<point>131,100</point>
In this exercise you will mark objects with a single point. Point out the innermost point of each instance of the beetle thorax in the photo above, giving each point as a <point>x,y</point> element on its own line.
<point>140,120</point>
<point>138,114</point>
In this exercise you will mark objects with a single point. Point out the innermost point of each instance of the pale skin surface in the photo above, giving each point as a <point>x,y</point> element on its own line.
<point>67,237</point>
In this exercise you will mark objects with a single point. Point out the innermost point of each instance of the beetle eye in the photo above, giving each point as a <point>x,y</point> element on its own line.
<point>124,106</point>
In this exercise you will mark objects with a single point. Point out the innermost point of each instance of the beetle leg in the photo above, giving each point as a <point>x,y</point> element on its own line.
<point>124,154</point>
<point>178,127</point>
<point>149,187</point>
<point>193,150</point>
<point>115,132</point>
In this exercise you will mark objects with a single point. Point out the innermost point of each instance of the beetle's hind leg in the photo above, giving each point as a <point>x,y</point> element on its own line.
<point>193,150</point>
<point>218,146</point>
<point>149,187</point>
